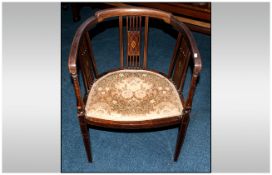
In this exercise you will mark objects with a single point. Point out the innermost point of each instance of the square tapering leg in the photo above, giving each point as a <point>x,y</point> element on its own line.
<point>86,137</point>
<point>181,136</point>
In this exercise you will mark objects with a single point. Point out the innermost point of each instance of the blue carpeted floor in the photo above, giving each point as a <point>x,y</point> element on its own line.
<point>135,151</point>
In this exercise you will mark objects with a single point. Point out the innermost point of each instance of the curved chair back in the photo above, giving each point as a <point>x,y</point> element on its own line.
<point>136,21</point>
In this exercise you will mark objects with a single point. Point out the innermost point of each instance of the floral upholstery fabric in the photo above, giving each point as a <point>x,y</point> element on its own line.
<point>133,95</point>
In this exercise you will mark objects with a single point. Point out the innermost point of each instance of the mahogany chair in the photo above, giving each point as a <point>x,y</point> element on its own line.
<point>133,97</point>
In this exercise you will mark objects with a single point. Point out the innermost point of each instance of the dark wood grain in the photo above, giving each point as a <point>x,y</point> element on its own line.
<point>181,61</point>
<point>85,64</point>
<point>133,42</point>
<point>174,56</point>
<point>80,104</point>
<point>121,41</point>
<point>156,123</point>
<point>145,42</point>
<point>72,61</point>
<point>181,135</point>
<point>197,16</point>
<point>91,55</point>
<point>85,135</point>
<point>104,14</point>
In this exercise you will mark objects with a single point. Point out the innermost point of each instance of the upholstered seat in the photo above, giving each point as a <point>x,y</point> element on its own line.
<point>133,95</point>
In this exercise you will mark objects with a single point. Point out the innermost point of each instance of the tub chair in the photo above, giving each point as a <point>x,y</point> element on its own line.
<point>133,96</point>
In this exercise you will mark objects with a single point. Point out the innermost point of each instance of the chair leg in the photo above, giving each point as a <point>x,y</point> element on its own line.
<point>86,137</point>
<point>181,136</point>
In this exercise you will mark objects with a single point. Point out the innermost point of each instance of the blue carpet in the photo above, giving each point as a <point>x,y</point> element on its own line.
<point>120,151</point>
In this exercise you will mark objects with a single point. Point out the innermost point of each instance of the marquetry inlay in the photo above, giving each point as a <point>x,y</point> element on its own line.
<point>133,43</point>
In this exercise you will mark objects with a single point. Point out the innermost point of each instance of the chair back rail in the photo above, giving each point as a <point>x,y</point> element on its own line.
<point>185,49</point>
<point>104,14</point>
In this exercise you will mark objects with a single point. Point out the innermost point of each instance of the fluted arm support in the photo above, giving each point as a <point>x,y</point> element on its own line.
<point>80,104</point>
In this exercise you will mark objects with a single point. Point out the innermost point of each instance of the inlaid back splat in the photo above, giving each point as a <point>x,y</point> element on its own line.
<point>133,41</point>
<point>133,45</point>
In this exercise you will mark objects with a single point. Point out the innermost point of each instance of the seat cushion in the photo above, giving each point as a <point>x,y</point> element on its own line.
<point>133,95</point>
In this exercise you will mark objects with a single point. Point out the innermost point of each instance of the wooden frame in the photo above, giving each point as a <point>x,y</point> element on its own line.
<point>197,16</point>
<point>81,55</point>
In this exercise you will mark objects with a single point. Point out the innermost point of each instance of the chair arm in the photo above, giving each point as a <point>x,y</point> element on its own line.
<point>76,41</point>
<point>72,60</point>
<point>196,59</point>
<point>180,26</point>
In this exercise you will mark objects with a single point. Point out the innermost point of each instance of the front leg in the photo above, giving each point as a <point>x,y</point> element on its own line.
<point>181,135</point>
<point>85,136</point>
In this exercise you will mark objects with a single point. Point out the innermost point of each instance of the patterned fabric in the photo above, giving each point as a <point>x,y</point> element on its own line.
<point>133,95</point>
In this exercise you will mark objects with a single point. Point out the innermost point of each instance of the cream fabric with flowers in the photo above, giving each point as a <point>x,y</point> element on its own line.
<point>133,95</point>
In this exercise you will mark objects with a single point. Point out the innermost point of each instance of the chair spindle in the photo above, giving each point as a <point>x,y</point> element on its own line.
<point>121,42</point>
<point>145,42</point>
